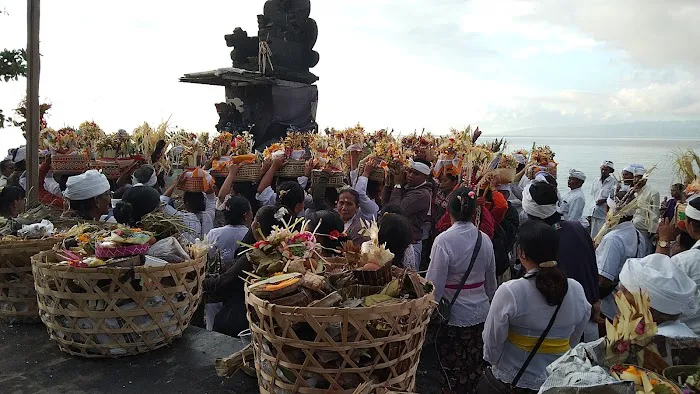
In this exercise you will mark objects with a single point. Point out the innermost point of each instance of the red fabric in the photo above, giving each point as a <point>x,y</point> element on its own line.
<point>486,225</point>
<point>499,207</point>
<point>45,197</point>
<point>465,287</point>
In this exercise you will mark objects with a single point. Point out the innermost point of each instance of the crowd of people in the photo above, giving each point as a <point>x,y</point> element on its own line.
<point>515,262</point>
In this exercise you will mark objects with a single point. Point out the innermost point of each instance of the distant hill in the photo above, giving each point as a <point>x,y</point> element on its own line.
<point>670,129</point>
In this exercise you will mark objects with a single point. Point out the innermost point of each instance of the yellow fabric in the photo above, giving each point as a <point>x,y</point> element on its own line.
<point>549,346</point>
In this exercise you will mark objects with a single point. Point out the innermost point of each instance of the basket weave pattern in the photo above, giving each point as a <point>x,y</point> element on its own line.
<point>110,169</point>
<point>113,312</point>
<point>246,173</point>
<point>69,164</point>
<point>17,295</point>
<point>292,169</point>
<point>337,347</point>
<point>376,175</point>
<point>337,179</point>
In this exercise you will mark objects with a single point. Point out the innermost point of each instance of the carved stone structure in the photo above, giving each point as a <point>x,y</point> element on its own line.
<point>280,96</point>
<point>286,28</point>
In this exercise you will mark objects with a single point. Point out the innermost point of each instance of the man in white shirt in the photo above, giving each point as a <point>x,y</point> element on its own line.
<point>620,244</point>
<point>646,217</point>
<point>571,206</point>
<point>688,261</point>
<point>602,189</point>
<point>671,292</point>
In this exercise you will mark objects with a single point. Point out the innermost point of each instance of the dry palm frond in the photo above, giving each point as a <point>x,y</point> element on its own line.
<point>227,366</point>
<point>164,225</point>
<point>683,164</point>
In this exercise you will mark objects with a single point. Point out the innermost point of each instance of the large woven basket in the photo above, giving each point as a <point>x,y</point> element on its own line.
<point>113,312</point>
<point>17,295</point>
<point>377,175</point>
<point>110,168</point>
<point>69,164</point>
<point>246,173</point>
<point>292,169</point>
<point>317,350</point>
<point>337,179</point>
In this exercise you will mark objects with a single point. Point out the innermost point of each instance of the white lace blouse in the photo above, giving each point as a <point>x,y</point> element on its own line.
<point>449,260</point>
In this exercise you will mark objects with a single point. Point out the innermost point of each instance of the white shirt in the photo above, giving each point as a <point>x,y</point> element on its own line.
<point>409,259</point>
<point>518,306</point>
<point>571,207</point>
<point>621,243</point>
<point>449,260</point>
<point>200,223</point>
<point>601,191</point>
<point>675,329</point>
<point>368,208</point>
<point>646,217</point>
<point>225,240</point>
<point>689,262</point>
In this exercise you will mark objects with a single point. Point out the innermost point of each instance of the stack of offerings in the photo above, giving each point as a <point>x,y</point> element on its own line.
<point>542,158</point>
<point>321,327</point>
<point>70,153</point>
<point>227,148</point>
<point>116,293</point>
<point>294,149</point>
<point>328,156</point>
<point>114,153</point>
<point>20,239</point>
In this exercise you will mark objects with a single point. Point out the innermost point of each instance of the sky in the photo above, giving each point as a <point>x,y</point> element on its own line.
<point>402,64</point>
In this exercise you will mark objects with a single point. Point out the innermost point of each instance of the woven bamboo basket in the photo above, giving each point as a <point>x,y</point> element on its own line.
<point>114,312</point>
<point>110,168</point>
<point>317,350</point>
<point>337,179</point>
<point>377,175</point>
<point>17,295</point>
<point>246,173</point>
<point>292,169</point>
<point>193,184</point>
<point>69,164</point>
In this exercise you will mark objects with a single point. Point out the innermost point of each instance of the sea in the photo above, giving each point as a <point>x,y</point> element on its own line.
<point>586,154</point>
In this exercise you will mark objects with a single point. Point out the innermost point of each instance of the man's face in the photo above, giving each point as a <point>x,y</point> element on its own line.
<point>414,178</point>
<point>104,202</point>
<point>627,178</point>
<point>675,192</point>
<point>604,172</point>
<point>9,169</point>
<point>346,206</point>
<point>574,183</point>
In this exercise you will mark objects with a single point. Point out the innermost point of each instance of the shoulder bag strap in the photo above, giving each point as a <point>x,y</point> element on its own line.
<point>475,253</point>
<point>533,352</point>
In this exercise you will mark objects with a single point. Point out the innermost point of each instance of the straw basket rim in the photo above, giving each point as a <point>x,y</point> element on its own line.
<point>292,169</point>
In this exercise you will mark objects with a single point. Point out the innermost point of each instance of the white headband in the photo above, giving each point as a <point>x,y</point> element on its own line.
<point>691,212</point>
<point>534,209</point>
<point>89,184</point>
<point>577,174</point>
<point>609,164</point>
<point>420,167</point>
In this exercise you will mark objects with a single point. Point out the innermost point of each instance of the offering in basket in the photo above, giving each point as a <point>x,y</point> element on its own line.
<point>374,265</point>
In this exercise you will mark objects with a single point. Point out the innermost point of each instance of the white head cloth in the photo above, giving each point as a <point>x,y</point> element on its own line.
<point>533,209</point>
<point>690,211</point>
<point>609,164</point>
<point>519,158</point>
<point>639,170</point>
<point>629,168</point>
<point>573,173</point>
<point>89,184</point>
<point>671,291</point>
<point>21,154</point>
<point>151,182</point>
<point>420,167</point>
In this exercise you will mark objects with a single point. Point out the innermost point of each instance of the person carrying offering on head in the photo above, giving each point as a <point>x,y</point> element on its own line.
<point>412,192</point>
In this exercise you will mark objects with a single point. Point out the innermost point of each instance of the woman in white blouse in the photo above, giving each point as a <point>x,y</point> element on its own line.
<point>459,342</point>
<point>522,309</point>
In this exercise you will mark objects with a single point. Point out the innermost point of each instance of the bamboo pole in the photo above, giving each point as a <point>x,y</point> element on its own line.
<point>33,115</point>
